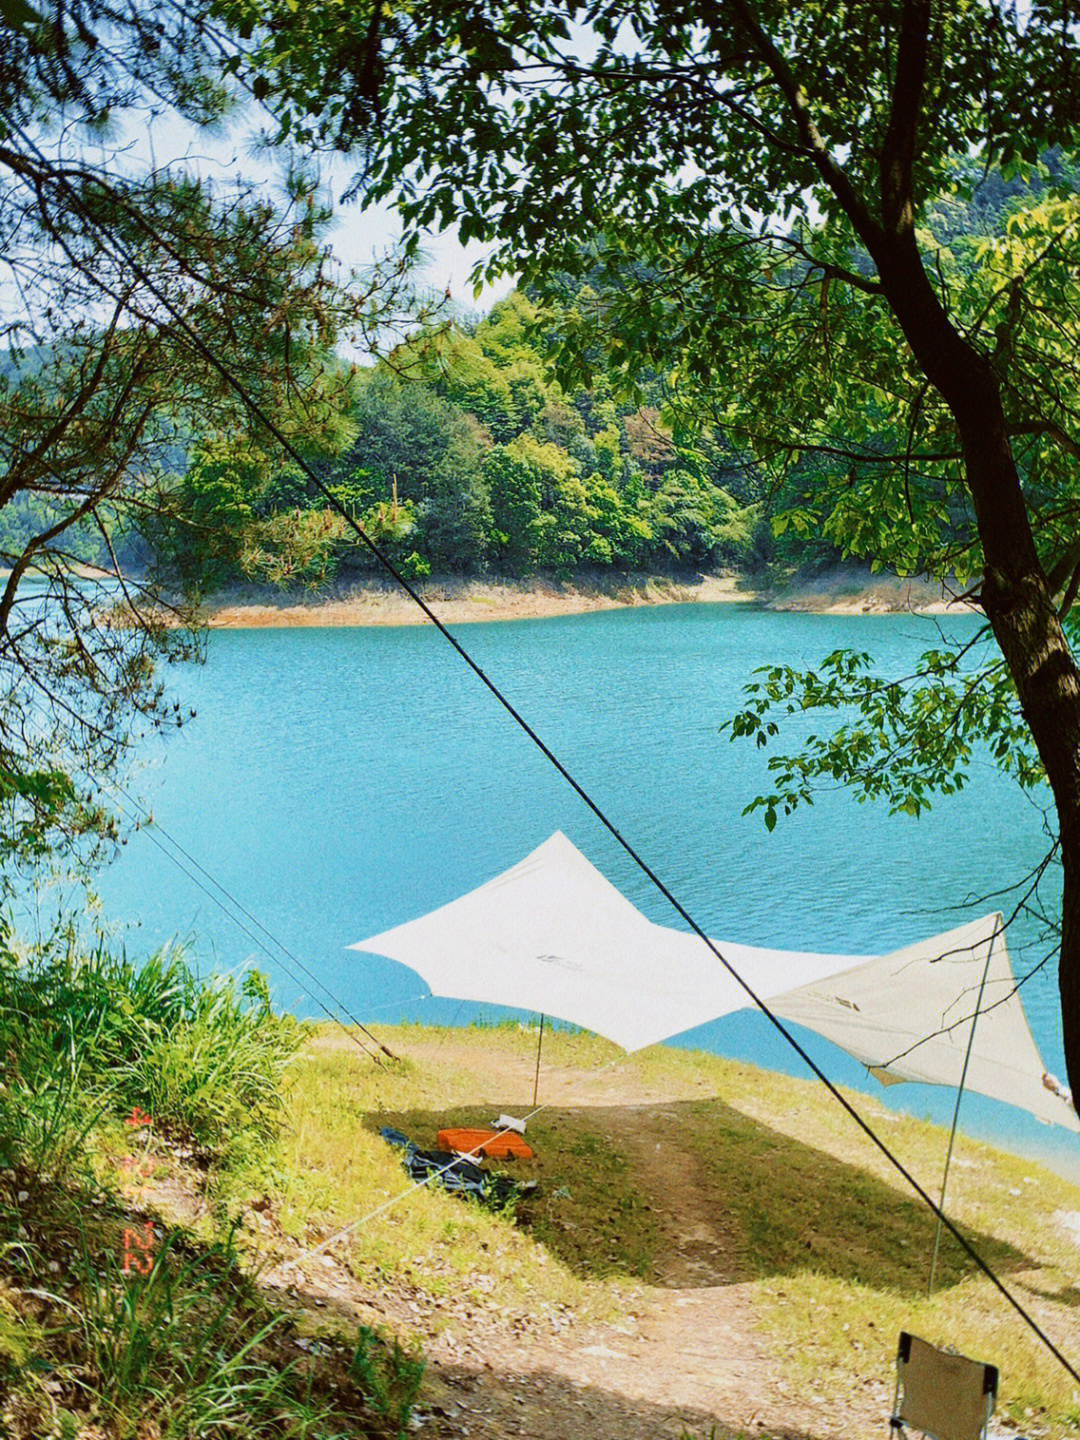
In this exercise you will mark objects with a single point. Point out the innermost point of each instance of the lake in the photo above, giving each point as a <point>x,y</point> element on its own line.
<point>340,781</point>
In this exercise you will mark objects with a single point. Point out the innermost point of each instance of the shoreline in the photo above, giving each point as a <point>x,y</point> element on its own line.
<point>458,601</point>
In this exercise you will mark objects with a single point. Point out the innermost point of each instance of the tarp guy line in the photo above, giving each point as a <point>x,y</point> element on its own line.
<point>260,414</point>
<point>256,941</point>
<point>259,926</point>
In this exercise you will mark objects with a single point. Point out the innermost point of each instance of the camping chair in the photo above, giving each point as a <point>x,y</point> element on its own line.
<point>946,1396</point>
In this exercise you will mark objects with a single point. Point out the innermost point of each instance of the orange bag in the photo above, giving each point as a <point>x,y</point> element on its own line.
<point>486,1142</point>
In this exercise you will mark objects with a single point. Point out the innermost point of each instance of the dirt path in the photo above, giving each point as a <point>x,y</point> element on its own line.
<point>693,1358</point>
<point>690,1358</point>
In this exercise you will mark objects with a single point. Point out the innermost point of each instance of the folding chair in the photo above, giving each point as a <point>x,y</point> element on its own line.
<point>946,1396</point>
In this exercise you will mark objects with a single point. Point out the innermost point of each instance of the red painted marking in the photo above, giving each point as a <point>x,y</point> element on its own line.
<point>140,1264</point>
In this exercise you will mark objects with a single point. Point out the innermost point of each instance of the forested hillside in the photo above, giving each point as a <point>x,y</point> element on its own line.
<point>460,454</point>
<point>464,457</point>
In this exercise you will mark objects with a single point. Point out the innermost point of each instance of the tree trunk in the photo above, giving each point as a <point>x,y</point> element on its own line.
<point>1015,593</point>
<point>1069,968</point>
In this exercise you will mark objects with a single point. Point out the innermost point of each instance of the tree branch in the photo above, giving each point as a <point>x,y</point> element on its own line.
<point>898,152</point>
<point>1051,430</point>
<point>832,173</point>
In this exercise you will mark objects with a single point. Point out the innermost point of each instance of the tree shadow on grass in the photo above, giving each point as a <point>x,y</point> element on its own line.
<point>802,1209</point>
<point>631,1189</point>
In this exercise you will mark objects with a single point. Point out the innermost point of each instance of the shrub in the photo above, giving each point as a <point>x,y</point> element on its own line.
<point>86,1036</point>
<point>214,1072</point>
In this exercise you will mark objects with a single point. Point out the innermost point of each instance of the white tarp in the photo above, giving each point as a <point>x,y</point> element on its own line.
<point>552,935</point>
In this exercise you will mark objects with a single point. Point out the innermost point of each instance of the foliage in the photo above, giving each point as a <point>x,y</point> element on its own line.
<point>466,456</point>
<point>91,1037</point>
<point>659,265</point>
<point>414,443</point>
<point>909,738</point>
<point>184,1339</point>
<point>32,802</point>
<point>120,280</point>
<point>389,1375</point>
<point>696,520</point>
<point>215,498</point>
<point>209,1065</point>
<point>746,287</point>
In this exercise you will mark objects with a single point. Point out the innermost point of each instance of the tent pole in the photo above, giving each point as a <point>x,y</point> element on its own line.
<point>956,1116</point>
<point>539,1043</point>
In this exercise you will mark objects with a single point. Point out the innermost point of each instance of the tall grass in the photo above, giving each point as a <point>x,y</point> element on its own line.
<point>179,1345</point>
<point>190,1351</point>
<point>185,1343</point>
<point>83,1037</point>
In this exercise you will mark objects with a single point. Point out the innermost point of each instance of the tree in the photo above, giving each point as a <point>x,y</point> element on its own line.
<point>119,282</point>
<point>755,153</point>
<point>410,437</point>
<point>519,477</point>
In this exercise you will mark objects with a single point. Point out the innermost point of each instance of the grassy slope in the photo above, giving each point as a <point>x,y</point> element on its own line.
<point>126,1312</point>
<point>831,1251</point>
<point>837,1252</point>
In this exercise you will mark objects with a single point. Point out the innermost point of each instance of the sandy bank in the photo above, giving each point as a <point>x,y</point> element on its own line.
<point>858,592</point>
<point>459,601</point>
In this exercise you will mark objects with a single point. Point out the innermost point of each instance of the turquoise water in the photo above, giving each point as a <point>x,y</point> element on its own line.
<point>341,781</point>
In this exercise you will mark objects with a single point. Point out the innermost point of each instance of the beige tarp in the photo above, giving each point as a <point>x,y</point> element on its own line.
<point>552,935</point>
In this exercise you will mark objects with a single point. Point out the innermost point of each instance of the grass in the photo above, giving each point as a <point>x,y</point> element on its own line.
<point>333,1167</point>
<point>835,1248</point>
<point>831,1249</point>
<point>114,1322</point>
<point>190,1348</point>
